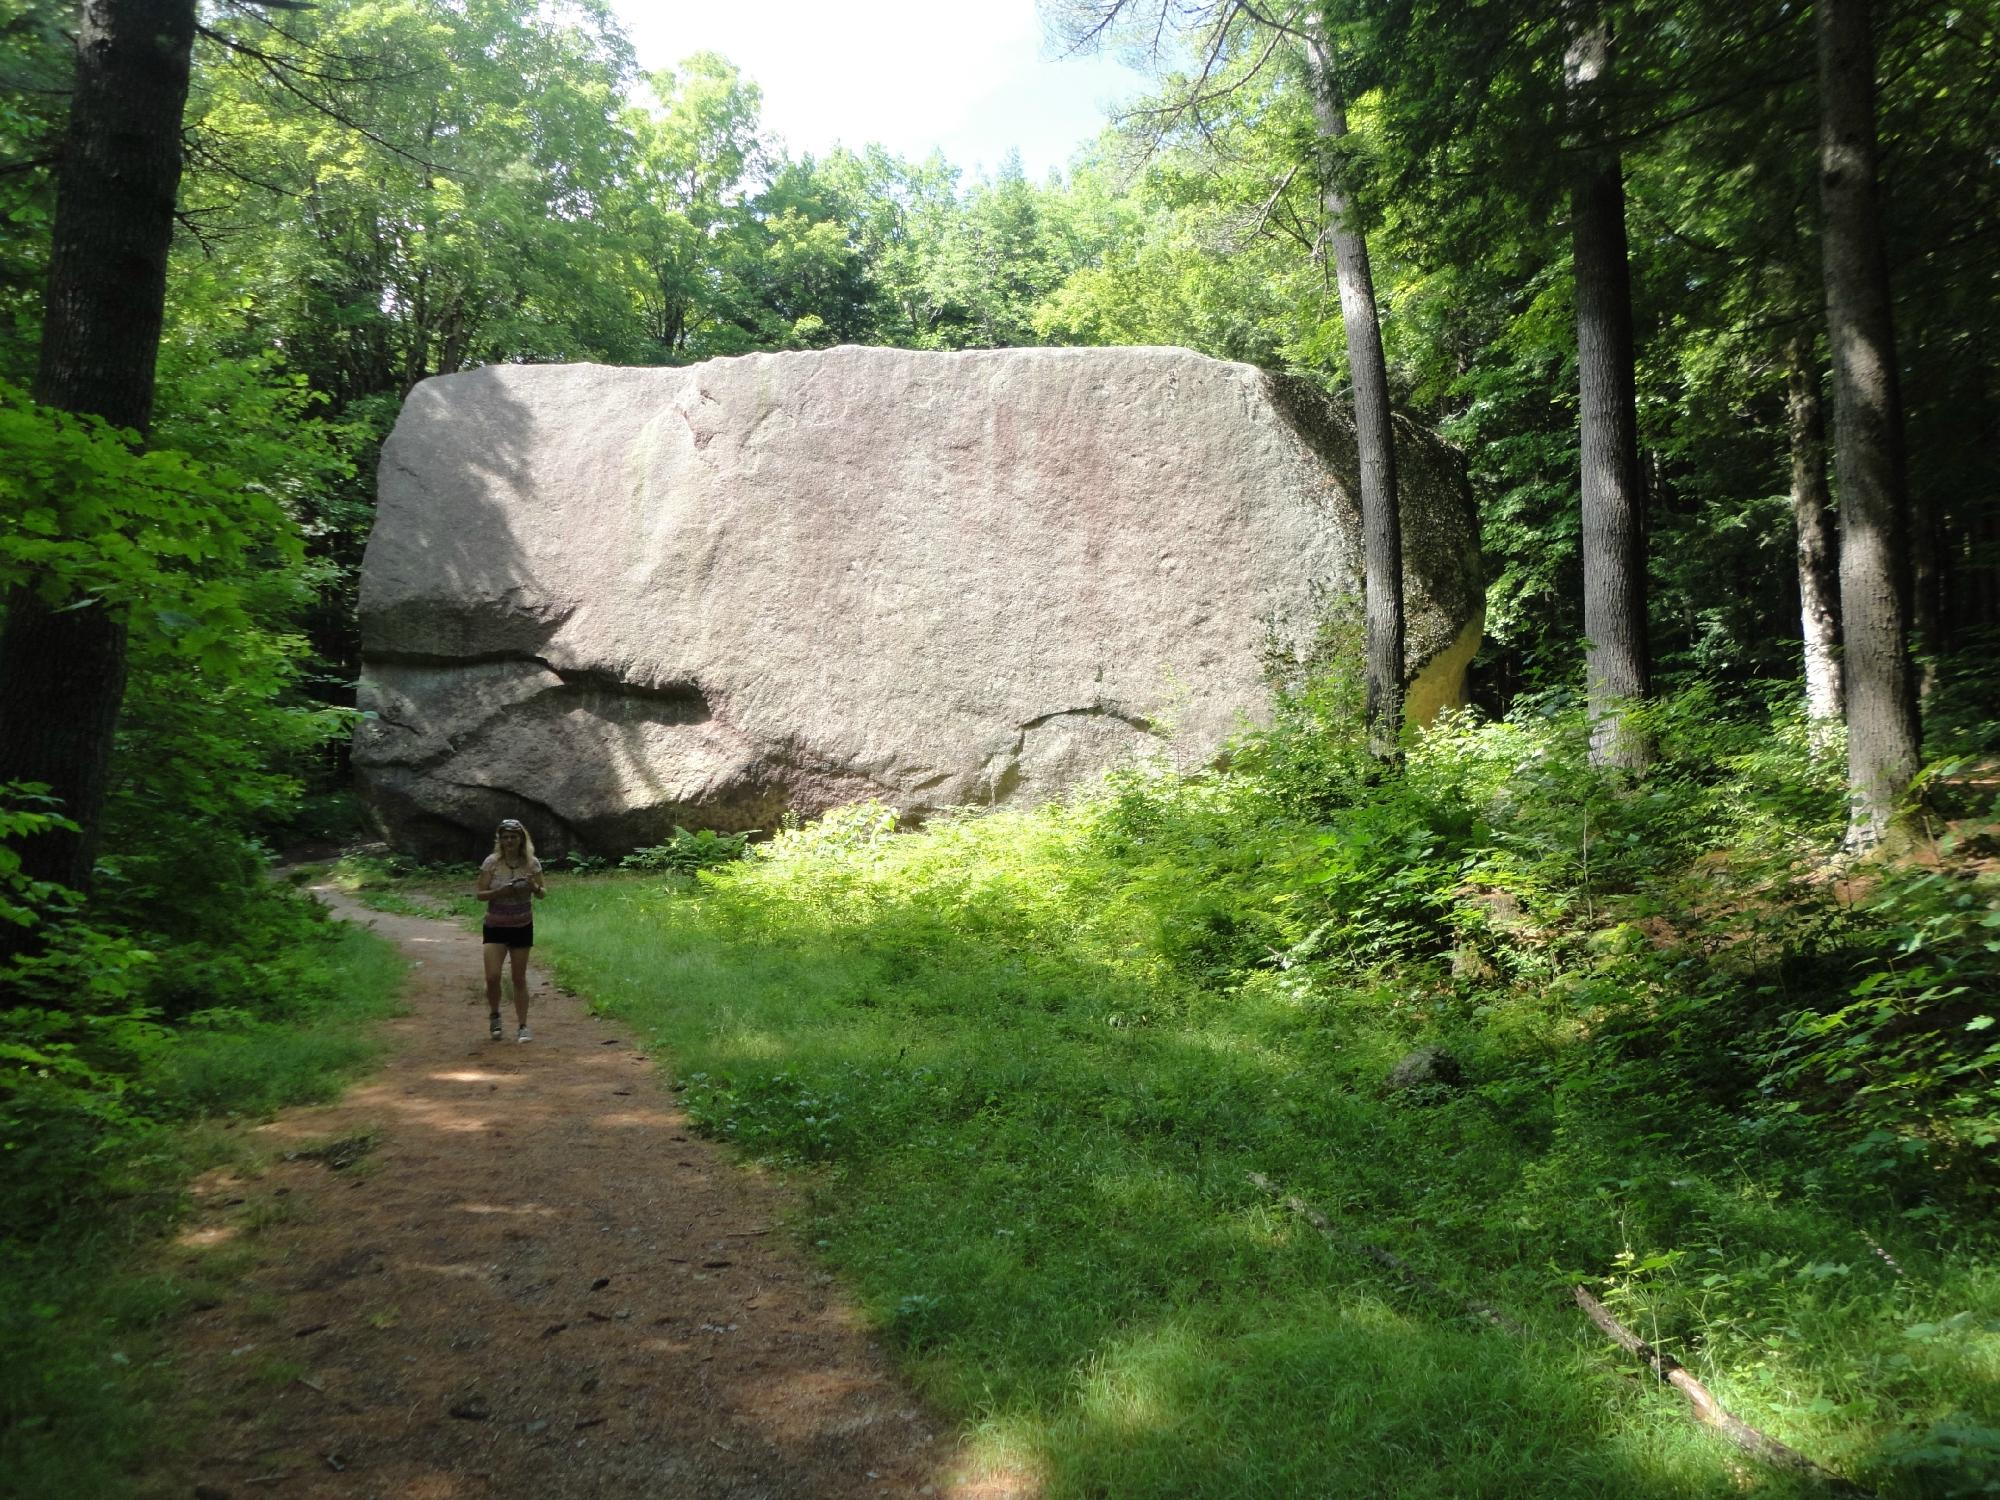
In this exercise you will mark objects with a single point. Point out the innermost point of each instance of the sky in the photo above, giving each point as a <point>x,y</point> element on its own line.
<point>968,77</point>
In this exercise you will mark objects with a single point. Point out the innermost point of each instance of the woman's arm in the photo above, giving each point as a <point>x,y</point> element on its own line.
<point>539,887</point>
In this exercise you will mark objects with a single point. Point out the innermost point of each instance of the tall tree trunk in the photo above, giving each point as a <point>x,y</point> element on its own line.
<point>1882,729</point>
<point>62,663</point>
<point>1973,527</point>
<point>1616,666</point>
<point>1381,521</point>
<point>1975,599</point>
<point>1812,519</point>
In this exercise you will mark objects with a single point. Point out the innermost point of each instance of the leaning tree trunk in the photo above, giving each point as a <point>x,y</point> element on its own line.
<point>1381,521</point>
<point>1812,519</point>
<point>1882,729</point>
<point>62,661</point>
<point>1613,495</point>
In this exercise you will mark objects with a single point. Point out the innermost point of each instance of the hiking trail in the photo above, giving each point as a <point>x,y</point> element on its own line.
<point>495,1270</point>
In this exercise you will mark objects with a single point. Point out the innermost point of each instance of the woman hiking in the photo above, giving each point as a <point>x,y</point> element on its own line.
<point>510,879</point>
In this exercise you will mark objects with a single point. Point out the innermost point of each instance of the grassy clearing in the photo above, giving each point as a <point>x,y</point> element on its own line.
<point>85,1315</point>
<point>1024,1065</point>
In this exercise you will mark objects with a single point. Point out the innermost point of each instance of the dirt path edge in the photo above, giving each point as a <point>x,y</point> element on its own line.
<point>506,1270</point>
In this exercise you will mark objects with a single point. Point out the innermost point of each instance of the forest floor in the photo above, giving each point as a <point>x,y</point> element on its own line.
<point>495,1269</point>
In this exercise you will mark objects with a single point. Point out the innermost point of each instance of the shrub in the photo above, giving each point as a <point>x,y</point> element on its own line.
<point>687,853</point>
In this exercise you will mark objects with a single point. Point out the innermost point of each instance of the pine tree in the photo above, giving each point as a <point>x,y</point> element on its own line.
<point>1882,729</point>
<point>63,660</point>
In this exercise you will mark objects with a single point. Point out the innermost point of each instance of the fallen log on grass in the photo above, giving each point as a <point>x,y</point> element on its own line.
<point>1710,1411</point>
<point>1401,1268</point>
<point>1706,1408</point>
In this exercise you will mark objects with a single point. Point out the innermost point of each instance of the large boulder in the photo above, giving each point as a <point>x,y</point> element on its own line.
<point>609,601</point>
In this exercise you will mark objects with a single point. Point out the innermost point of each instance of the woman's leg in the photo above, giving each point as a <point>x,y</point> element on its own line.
<point>520,960</point>
<point>495,955</point>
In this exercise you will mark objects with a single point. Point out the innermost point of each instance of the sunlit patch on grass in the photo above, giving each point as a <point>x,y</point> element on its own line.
<point>1122,1389</point>
<point>1001,1461</point>
<point>1025,1068</point>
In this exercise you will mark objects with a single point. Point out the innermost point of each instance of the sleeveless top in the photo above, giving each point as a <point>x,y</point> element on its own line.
<point>514,908</point>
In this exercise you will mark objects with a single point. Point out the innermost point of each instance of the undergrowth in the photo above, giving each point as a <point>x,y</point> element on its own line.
<point>1026,1062</point>
<point>122,1049</point>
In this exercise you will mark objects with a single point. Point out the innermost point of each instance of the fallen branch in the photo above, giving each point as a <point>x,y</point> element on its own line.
<point>1408,1273</point>
<point>1707,1409</point>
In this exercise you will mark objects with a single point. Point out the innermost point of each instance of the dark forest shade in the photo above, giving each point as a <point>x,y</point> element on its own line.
<point>62,662</point>
<point>1882,731</point>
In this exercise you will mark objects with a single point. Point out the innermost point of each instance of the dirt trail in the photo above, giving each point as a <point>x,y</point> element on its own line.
<point>526,1278</point>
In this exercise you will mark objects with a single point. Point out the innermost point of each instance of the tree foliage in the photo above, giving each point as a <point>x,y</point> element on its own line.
<point>380,191</point>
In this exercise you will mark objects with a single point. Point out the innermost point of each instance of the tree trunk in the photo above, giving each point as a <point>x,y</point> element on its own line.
<point>1613,498</point>
<point>1882,729</point>
<point>1812,518</point>
<point>1381,521</point>
<point>62,664</point>
<point>1972,599</point>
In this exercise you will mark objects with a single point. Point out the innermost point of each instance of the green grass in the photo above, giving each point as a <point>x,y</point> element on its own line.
<point>288,1054</point>
<point>1023,1090</point>
<point>86,1311</point>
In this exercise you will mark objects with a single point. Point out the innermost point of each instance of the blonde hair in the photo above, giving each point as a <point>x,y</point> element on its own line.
<point>515,825</point>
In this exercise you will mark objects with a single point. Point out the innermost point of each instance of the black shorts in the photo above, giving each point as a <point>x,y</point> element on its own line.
<point>513,937</point>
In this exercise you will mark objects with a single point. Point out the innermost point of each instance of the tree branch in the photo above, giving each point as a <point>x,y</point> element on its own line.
<point>1707,1409</point>
<point>276,69</point>
<point>1408,1273</point>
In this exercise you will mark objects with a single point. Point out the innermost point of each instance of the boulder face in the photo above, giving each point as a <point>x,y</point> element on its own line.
<point>610,601</point>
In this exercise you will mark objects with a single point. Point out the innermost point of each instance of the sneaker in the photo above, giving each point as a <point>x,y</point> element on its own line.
<point>493,1026</point>
<point>522,1035</point>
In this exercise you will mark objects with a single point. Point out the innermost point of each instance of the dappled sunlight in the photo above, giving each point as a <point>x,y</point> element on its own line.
<point>758,1044</point>
<point>439,1119</point>
<point>306,1126</point>
<point>1134,1200</point>
<point>651,1307</point>
<point>633,1120</point>
<point>1320,1391</point>
<point>460,1272</point>
<point>1001,1461</point>
<point>206,1236</point>
<point>1128,1386</point>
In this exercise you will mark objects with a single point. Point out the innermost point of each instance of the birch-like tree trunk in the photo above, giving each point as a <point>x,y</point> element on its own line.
<point>1381,521</point>
<point>1818,551</point>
